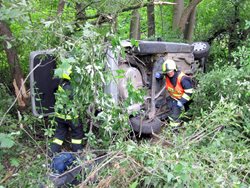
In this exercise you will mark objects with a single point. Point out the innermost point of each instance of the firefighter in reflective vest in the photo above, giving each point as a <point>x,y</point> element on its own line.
<point>66,117</point>
<point>179,87</point>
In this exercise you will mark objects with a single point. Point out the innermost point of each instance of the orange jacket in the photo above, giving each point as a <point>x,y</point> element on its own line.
<point>177,91</point>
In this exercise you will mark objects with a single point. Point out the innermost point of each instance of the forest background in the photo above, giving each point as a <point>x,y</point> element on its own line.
<point>214,149</point>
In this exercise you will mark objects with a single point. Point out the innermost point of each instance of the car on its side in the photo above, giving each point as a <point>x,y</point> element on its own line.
<point>139,65</point>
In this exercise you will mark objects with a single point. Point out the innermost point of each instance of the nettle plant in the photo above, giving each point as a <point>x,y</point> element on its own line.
<point>87,56</point>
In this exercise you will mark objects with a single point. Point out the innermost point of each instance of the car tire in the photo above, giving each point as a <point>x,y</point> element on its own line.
<point>147,127</point>
<point>201,49</point>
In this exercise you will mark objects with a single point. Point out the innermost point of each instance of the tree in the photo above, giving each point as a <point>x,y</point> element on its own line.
<point>178,10</point>
<point>135,25</point>
<point>151,20</point>
<point>234,29</point>
<point>223,24</point>
<point>184,19</point>
<point>186,13</point>
<point>12,57</point>
<point>60,7</point>
<point>189,27</point>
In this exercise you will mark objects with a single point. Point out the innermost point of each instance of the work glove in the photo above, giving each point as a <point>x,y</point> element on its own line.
<point>179,104</point>
<point>158,75</point>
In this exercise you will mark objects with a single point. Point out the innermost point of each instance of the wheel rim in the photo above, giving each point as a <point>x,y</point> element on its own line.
<point>199,46</point>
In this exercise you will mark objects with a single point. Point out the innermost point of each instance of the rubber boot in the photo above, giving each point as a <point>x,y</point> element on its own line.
<point>54,148</point>
<point>77,147</point>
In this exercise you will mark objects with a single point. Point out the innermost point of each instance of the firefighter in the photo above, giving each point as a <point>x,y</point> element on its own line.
<point>179,87</point>
<point>66,117</point>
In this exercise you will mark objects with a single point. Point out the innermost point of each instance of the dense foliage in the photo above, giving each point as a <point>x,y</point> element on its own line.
<point>212,150</point>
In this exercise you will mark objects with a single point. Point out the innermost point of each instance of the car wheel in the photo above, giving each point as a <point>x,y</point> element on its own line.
<point>201,49</point>
<point>146,126</point>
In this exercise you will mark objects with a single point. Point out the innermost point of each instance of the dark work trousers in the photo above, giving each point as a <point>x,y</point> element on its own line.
<point>175,111</point>
<point>61,132</point>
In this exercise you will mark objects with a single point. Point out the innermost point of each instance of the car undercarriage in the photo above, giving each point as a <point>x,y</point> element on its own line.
<point>139,65</point>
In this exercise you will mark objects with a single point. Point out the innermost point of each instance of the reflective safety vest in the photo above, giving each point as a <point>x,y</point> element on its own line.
<point>177,91</point>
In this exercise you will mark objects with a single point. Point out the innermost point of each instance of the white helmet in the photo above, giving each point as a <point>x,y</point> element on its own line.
<point>169,65</point>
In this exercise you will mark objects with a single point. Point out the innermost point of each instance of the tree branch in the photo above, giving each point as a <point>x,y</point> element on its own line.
<point>60,7</point>
<point>137,6</point>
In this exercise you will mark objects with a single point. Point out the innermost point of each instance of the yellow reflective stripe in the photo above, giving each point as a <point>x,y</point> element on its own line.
<point>185,96</point>
<point>188,90</point>
<point>66,117</point>
<point>58,141</point>
<point>60,88</point>
<point>175,124</point>
<point>170,89</point>
<point>65,76</point>
<point>177,95</point>
<point>76,141</point>
<point>164,67</point>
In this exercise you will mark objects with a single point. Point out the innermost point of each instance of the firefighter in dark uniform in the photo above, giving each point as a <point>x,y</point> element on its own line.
<point>180,89</point>
<point>65,117</point>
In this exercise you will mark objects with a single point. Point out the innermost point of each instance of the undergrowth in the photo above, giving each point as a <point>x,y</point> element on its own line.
<point>212,150</point>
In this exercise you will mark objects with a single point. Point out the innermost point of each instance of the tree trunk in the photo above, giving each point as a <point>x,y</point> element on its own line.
<point>186,13</point>
<point>12,57</point>
<point>135,25</point>
<point>60,7</point>
<point>151,20</point>
<point>189,28</point>
<point>115,24</point>
<point>178,10</point>
<point>234,38</point>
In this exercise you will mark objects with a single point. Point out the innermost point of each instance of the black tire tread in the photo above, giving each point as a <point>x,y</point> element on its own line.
<point>151,127</point>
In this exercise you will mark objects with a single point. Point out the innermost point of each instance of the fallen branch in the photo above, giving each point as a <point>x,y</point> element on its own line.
<point>99,167</point>
<point>8,175</point>
<point>200,135</point>
<point>23,96</point>
<point>19,93</point>
<point>219,128</point>
<point>163,142</point>
<point>105,183</point>
<point>137,6</point>
<point>164,3</point>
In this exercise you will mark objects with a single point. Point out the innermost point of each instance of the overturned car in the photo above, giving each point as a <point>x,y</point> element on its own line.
<point>139,65</point>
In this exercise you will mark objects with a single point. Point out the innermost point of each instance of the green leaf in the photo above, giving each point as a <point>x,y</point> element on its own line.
<point>134,42</point>
<point>8,45</point>
<point>170,176</point>
<point>48,23</point>
<point>6,141</point>
<point>1,167</point>
<point>14,162</point>
<point>115,41</point>
<point>134,185</point>
<point>178,168</point>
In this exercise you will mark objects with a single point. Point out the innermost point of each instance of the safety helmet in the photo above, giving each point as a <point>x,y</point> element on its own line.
<point>168,65</point>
